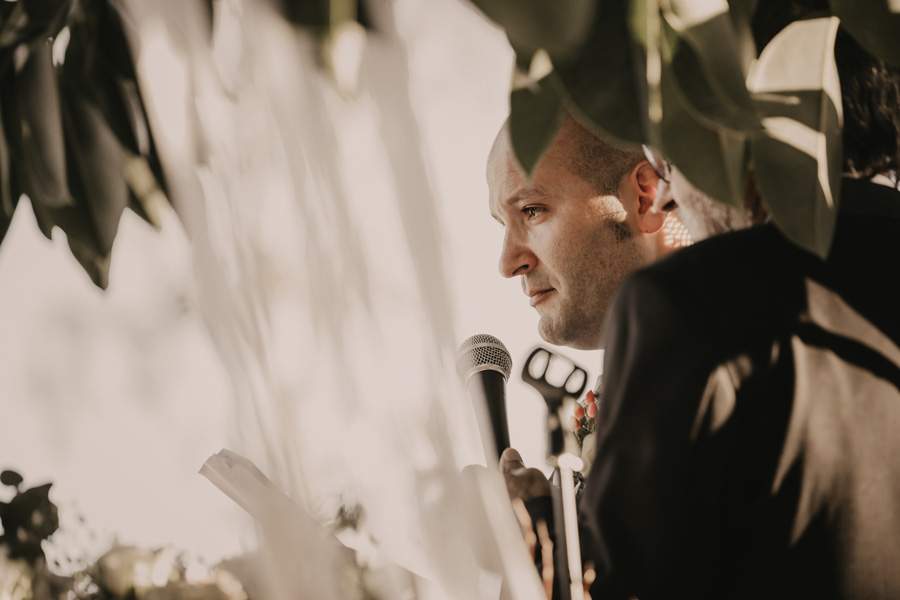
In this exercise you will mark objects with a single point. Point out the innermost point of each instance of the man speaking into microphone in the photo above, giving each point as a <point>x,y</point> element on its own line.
<point>584,222</point>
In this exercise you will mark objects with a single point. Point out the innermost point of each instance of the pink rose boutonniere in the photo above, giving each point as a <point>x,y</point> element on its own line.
<point>584,424</point>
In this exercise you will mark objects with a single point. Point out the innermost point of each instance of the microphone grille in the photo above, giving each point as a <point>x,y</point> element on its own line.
<point>480,353</point>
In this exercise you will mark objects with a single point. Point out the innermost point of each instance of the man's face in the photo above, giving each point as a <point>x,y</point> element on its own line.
<point>571,246</point>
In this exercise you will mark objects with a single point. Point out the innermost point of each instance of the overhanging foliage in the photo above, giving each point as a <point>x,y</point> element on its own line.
<point>674,74</point>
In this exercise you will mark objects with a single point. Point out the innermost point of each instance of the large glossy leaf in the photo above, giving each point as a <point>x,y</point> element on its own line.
<point>97,178</point>
<point>98,61</point>
<point>712,159</point>
<point>606,81</point>
<point>705,56</point>
<point>81,234</point>
<point>99,64</point>
<point>43,155</point>
<point>798,160</point>
<point>535,115</point>
<point>875,24</point>
<point>742,12</point>
<point>560,27</point>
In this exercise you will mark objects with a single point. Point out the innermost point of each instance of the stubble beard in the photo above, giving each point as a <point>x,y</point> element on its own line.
<point>578,322</point>
<point>574,326</point>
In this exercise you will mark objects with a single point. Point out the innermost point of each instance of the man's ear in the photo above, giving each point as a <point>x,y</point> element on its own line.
<point>649,218</point>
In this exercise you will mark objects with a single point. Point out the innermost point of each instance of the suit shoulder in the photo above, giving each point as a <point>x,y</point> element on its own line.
<point>734,282</point>
<point>740,262</point>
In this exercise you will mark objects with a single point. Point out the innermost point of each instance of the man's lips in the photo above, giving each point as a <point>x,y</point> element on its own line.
<point>538,296</point>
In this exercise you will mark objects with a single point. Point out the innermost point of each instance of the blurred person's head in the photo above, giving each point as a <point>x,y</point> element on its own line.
<point>584,222</point>
<point>701,215</point>
<point>870,98</point>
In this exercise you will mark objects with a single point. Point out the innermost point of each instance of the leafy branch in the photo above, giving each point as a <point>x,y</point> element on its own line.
<point>676,74</point>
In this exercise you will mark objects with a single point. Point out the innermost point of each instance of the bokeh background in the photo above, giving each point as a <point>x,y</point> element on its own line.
<point>118,397</point>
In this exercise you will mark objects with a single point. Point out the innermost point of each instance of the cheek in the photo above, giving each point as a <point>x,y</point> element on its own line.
<point>585,257</point>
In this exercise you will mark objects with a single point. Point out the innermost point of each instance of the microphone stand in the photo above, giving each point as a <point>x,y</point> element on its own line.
<point>562,455</point>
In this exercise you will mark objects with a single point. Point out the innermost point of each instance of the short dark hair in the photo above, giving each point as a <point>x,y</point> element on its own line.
<point>599,162</point>
<point>870,89</point>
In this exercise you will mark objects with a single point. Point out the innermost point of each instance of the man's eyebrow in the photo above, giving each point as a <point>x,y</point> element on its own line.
<point>522,195</point>
<point>526,194</point>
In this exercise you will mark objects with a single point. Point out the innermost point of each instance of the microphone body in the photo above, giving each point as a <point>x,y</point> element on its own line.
<point>483,364</point>
<point>490,386</point>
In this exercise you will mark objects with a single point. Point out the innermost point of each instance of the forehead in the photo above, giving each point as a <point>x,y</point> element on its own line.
<point>503,177</point>
<point>500,165</point>
<point>551,178</point>
<point>502,173</point>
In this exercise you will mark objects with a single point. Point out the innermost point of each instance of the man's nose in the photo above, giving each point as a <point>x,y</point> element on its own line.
<point>665,200</point>
<point>516,258</point>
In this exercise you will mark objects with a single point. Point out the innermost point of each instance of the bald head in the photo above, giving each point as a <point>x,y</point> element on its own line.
<point>593,159</point>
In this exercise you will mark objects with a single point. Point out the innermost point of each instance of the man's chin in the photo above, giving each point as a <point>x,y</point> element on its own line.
<point>551,333</point>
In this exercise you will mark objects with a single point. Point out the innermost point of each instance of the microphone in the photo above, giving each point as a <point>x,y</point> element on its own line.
<point>483,364</point>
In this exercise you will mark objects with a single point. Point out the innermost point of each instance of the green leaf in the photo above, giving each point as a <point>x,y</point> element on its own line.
<point>43,153</point>
<point>875,24</point>
<point>96,177</point>
<point>95,265</point>
<point>536,113</point>
<point>33,518</point>
<point>98,63</point>
<point>44,219</point>
<point>712,159</point>
<point>797,162</point>
<point>706,60</point>
<point>606,83</point>
<point>560,28</point>
<point>81,235</point>
<point>11,478</point>
<point>742,12</point>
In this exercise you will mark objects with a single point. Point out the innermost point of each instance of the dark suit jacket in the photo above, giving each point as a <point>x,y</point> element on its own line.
<point>749,442</point>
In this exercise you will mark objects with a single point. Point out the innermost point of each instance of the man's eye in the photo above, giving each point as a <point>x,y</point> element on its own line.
<point>532,211</point>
